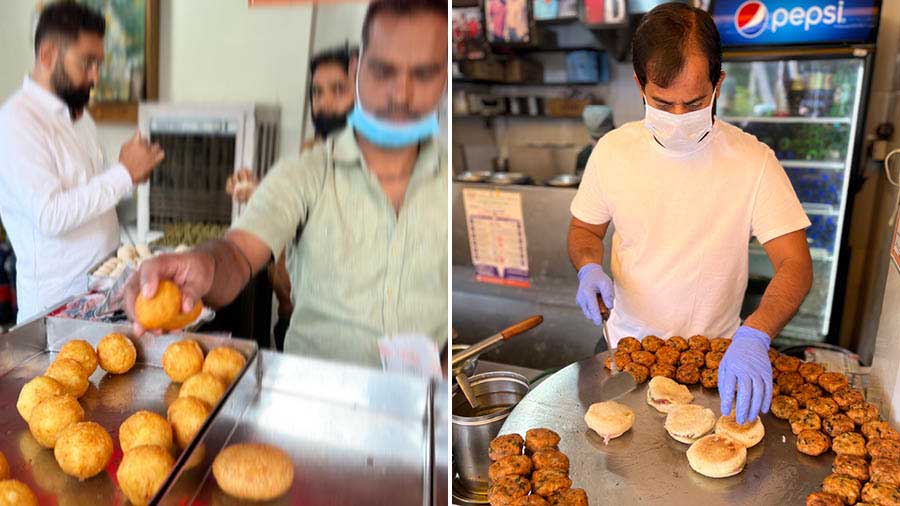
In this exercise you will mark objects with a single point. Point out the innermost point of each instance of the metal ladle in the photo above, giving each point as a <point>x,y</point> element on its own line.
<point>458,363</point>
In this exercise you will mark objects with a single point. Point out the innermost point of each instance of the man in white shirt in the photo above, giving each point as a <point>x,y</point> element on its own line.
<point>686,192</point>
<point>57,196</point>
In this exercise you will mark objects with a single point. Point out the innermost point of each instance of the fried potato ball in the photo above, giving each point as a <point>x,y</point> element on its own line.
<point>52,416</point>
<point>224,363</point>
<point>203,386</point>
<point>145,428</point>
<point>182,359</point>
<point>69,374</point>
<point>539,439</point>
<point>651,343</point>
<point>187,415</point>
<point>256,472</point>
<point>34,392</point>
<point>505,445</point>
<point>16,493</point>
<point>629,344</point>
<point>514,464</point>
<point>143,471</point>
<point>688,374</point>
<point>83,450</point>
<point>182,320</point>
<point>832,381</point>
<point>82,352</point>
<point>159,310</point>
<point>116,353</point>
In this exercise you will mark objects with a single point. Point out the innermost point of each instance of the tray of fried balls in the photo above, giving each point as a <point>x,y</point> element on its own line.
<point>100,418</point>
<point>531,471</point>
<point>827,415</point>
<point>824,411</point>
<point>687,361</point>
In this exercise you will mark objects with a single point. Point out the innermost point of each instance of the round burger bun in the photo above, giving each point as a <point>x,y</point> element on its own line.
<point>687,423</point>
<point>609,419</point>
<point>749,434</point>
<point>665,393</point>
<point>717,456</point>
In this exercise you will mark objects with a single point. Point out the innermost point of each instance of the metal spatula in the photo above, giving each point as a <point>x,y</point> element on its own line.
<point>619,383</point>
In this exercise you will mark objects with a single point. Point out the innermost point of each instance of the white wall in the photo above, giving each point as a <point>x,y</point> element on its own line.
<point>222,50</point>
<point>16,50</point>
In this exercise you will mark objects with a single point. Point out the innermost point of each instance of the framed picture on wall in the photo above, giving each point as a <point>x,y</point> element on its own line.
<point>129,73</point>
<point>468,33</point>
<point>509,22</point>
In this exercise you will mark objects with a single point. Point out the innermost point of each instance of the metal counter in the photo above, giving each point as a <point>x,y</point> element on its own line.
<point>356,436</point>
<point>28,350</point>
<point>647,466</point>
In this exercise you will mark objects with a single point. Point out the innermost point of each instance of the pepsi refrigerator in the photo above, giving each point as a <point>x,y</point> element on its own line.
<point>798,74</point>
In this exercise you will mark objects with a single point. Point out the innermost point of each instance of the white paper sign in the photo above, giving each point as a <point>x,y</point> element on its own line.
<point>497,236</point>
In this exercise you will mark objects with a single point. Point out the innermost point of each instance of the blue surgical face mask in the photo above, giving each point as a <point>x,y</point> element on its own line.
<point>389,134</point>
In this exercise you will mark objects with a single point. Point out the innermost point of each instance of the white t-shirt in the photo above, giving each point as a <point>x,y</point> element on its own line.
<point>57,197</point>
<point>682,226</point>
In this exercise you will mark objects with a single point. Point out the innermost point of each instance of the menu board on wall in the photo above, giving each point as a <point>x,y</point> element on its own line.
<point>497,236</point>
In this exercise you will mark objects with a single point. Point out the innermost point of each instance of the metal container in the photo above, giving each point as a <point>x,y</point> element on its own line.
<point>498,393</point>
<point>355,435</point>
<point>564,181</point>
<point>477,176</point>
<point>29,349</point>
<point>506,178</point>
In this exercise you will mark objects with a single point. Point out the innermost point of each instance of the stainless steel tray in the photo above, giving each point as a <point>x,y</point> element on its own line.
<point>356,436</point>
<point>645,465</point>
<point>28,350</point>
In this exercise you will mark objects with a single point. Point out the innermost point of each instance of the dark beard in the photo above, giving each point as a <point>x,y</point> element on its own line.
<point>75,98</point>
<point>326,124</point>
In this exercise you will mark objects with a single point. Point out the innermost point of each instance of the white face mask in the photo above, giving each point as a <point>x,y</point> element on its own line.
<point>680,134</point>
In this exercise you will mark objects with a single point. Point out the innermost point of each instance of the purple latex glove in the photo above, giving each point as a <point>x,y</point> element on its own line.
<point>591,281</point>
<point>746,366</point>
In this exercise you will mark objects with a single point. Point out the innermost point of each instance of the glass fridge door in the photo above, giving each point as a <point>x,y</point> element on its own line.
<point>807,112</point>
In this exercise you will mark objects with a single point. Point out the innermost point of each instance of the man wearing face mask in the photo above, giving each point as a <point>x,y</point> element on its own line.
<point>57,195</point>
<point>365,211</point>
<point>685,193</point>
<point>332,89</point>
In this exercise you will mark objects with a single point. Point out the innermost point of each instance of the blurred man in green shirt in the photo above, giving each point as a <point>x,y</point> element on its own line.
<point>365,211</point>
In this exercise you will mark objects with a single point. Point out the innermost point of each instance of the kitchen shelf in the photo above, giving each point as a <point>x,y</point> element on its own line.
<point>783,119</point>
<point>812,164</point>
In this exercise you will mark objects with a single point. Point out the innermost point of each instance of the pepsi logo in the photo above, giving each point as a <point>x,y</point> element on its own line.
<point>750,18</point>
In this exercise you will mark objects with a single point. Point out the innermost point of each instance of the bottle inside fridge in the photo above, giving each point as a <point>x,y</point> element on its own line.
<point>806,111</point>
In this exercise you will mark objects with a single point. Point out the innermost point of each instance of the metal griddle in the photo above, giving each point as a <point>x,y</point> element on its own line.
<point>646,466</point>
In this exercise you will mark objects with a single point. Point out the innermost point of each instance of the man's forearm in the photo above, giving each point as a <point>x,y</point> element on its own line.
<point>232,271</point>
<point>585,247</point>
<point>782,298</point>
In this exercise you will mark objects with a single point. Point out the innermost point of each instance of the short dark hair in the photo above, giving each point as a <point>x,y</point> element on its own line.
<point>340,55</point>
<point>400,8</point>
<point>66,20</point>
<point>664,38</point>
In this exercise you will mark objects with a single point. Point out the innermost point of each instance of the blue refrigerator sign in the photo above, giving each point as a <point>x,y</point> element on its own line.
<point>796,22</point>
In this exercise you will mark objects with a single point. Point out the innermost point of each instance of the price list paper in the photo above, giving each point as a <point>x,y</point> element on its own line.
<point>497,236</point>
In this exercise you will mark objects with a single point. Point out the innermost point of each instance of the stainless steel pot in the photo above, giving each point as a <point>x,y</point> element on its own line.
<point>474,428</point>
